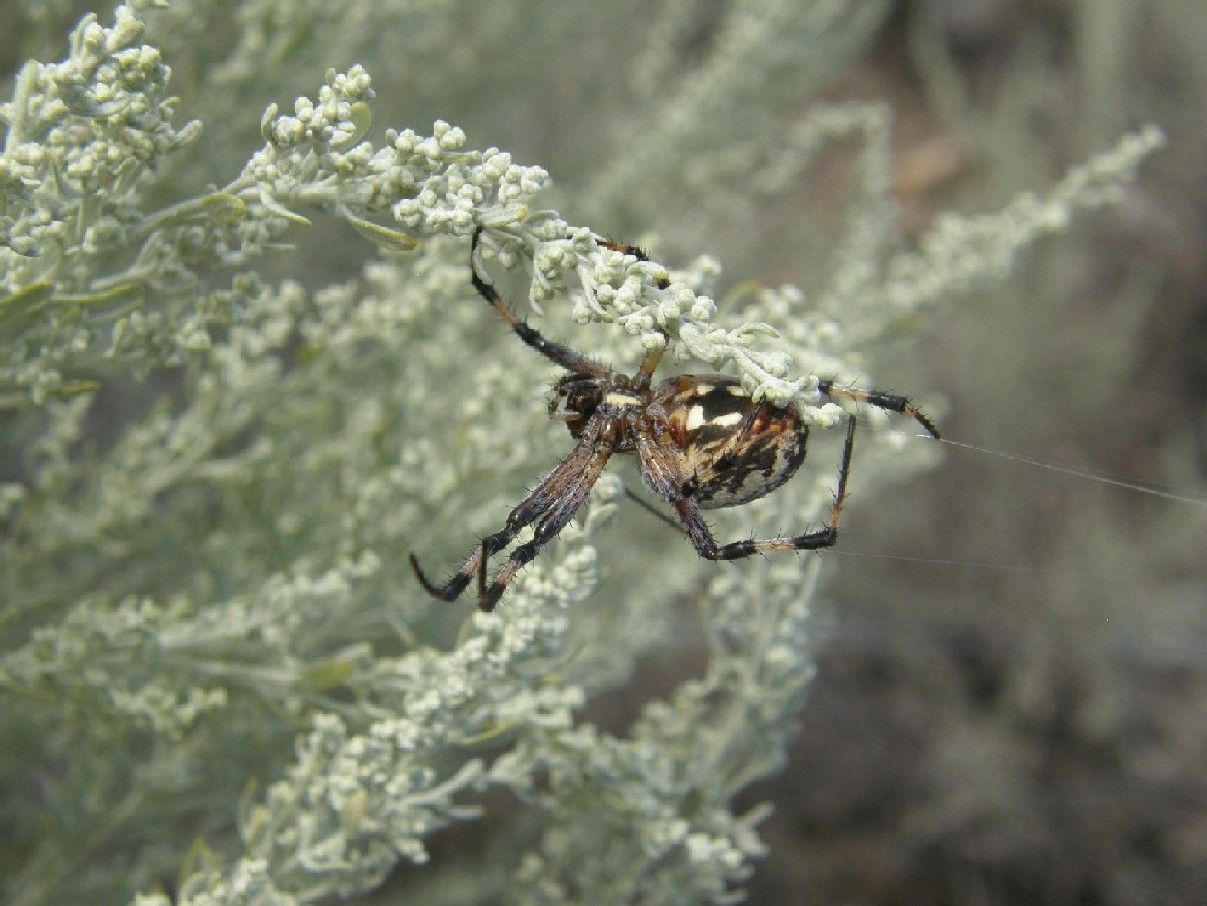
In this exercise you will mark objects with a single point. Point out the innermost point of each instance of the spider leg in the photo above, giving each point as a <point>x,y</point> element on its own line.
<point>452,589</point>
<point>635,250</point>
<point>568,358</point>
<point>649,364</point>
<point>706,546</point>
<point>552,493</point>
<point>880,400</point>
<point>560,513</point>
<point>651,509</point>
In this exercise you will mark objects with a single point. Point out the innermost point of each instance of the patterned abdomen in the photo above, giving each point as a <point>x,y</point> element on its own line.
<point>734,449</point>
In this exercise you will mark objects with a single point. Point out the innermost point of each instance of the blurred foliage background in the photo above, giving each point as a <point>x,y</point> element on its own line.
<point>1029,732</point>
<point>1012,711</point>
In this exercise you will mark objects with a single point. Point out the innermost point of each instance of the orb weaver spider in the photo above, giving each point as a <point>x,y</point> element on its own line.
<point>701,443</point>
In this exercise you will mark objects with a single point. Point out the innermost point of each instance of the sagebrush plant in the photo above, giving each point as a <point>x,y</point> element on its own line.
<point>220,681</point>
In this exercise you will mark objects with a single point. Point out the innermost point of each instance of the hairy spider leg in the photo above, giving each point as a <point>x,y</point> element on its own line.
<point>568,358</point>
<point>662,471</point>
<point>578,487</point>
<point>880,400</point>
<point>556,498</point>
<point>576,474</point>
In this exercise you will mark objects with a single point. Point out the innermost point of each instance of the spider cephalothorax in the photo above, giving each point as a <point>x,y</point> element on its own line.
<point>701,443</point>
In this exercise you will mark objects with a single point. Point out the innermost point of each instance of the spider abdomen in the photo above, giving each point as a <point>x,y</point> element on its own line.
<point>734,449</point>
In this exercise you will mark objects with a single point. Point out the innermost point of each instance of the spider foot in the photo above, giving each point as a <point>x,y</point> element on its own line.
<point>448,592</point>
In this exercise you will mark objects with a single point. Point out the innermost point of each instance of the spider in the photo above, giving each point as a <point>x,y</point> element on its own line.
<point>701,443</point>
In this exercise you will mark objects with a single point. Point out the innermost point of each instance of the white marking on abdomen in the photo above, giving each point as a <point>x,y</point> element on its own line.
<point>696,419</point>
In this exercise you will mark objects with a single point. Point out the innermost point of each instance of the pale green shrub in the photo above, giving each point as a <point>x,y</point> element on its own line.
<point>217,667</point>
